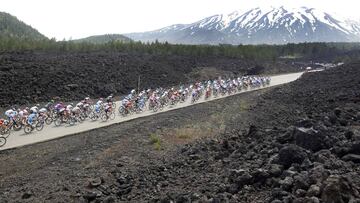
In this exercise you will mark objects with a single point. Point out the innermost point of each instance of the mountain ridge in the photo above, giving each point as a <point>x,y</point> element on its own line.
<point>259,26</point>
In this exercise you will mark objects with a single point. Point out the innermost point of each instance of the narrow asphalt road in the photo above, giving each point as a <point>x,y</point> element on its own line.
<point>18,139</point>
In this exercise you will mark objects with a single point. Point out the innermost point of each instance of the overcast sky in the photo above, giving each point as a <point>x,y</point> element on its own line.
<point>81,18</point>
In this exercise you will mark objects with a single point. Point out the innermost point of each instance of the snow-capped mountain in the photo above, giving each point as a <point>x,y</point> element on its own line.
<point>258,26</point>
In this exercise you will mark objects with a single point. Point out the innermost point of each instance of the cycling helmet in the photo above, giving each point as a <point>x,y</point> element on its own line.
<point>132,91</point>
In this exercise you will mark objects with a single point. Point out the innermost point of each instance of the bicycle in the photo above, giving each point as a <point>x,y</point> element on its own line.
<point>108,115</point>
<point>4,129</point>
<point>38,126</point>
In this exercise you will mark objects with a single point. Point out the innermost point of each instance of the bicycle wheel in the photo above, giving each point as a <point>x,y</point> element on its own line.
<point>17,126</point>
<point>57,122</point>
<point>112,115</point>
<point>48,120</point>
<point>72,121</point>
<point>93,116</point>
<point>28,129</point>
<point>82,116</point>
<point>104,117</point>
<point>80,119</point>
<point>121,110</point>
<point>39,126</point>
<point>5,132</point>
<point>2,141</point>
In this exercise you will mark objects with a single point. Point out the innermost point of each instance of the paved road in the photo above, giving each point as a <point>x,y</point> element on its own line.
<point>18,139</point>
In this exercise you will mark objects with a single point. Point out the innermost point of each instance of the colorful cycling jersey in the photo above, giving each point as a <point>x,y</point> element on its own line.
<point>23,113</point>
<point>31,118</point>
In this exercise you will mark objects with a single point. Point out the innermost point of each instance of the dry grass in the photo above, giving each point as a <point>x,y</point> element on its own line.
<point>243,105</point>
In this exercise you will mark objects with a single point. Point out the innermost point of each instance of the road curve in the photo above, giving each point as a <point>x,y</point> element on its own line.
<point>18,139</point>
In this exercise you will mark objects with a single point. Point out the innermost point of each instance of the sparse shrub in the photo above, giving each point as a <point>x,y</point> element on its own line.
<point>156,141</point>
<point>157,146</point>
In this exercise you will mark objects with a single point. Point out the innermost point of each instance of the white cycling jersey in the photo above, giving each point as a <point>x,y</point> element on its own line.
<point>34,109</point>
<point>42,110</point>
<point>69,107</point>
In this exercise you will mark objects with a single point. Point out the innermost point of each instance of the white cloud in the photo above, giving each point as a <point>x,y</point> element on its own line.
<point>81,18</point>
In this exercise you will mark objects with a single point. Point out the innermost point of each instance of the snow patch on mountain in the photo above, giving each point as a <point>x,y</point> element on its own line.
<point>260,25</point>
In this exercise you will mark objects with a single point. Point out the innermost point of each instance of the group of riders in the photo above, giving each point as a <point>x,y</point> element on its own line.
<point>136,102</point>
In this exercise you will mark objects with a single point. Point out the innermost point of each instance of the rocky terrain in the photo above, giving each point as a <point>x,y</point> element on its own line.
<point>39,76</point>
<point>298,142</point>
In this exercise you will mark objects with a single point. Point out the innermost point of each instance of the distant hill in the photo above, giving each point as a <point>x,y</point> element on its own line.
<point>102,39</point>
<point>10,26</point>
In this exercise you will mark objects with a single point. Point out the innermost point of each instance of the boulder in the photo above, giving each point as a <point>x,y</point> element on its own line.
<point>355,148</point>
<point>95,182</point>
<point>244,179</point>
<point>300,193</point>
<point>109,199</point>
<point>182,198</point>
<point>301,181</point>
<point>357,117</point>
<point>233,188</point>
<point>343,122</point>
<point>333,119</point>
<point>314,190</point>
<point>338,189</point>
<point>287,136</point>
<point>260,175</point>
<point>275,169</point>
<point>309,138</point>
<point>351,157</point>
<point>278,193</point>
<point>287,183</point>
<point>90,196</point>
<point>349,134</point>
<point>318,174</point>
<point>291,154</point>
<point>306,200</point>
<point>27,195</point>
<point>337,112</point>
<point>305,123</point>
<point>252,131</point>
